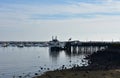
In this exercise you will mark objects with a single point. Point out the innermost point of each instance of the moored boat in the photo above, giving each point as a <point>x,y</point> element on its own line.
<point>55,45</point>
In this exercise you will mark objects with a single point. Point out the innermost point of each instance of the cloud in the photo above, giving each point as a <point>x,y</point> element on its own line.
<point>78,9</point>
<point>27,15</point>
<point>65,20</point>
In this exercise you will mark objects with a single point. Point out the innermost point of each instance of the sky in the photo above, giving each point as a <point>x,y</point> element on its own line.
<point>39,20</point>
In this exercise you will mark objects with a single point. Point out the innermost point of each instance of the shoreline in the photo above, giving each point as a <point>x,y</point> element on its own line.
<point>68,73</point>
<point>102,64</point>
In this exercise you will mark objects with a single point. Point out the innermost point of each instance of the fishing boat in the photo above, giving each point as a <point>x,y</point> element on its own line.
<point>55,45</point>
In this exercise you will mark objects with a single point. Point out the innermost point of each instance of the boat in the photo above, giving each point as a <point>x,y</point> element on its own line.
<point>55,45</point>
<point>4,45</point>
<point>20,45</point>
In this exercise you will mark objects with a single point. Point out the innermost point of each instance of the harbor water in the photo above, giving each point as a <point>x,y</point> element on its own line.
<point>27,62</point>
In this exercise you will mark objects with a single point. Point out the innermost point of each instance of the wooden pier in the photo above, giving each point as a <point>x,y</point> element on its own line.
<point>89,47</point>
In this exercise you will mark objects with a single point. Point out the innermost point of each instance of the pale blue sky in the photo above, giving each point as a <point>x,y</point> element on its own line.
<point>38,20</point>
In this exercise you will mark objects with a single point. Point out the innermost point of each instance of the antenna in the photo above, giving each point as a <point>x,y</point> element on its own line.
<point>52,37</point>
<point>56,37</point>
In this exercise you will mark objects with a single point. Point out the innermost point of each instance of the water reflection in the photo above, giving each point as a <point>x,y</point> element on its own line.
<point>75,56</point>
<point>71,53</point>
<point>35,60</point>
<point>54,55</point>
<point>67,58</point>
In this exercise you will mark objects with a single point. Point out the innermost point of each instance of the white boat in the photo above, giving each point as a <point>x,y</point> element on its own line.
<point>4,45</point>
<point>55,45</point>
<point>20,45</point>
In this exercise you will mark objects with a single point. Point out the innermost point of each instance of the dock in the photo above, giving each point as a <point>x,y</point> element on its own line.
<point>89,47</point>
<point>68,46</point>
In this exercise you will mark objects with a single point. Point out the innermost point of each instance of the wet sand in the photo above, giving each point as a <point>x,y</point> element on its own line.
<point>82,74</point>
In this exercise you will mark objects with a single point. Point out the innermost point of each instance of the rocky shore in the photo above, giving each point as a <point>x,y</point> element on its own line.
<point>102,64</point>
<point>82,74</point>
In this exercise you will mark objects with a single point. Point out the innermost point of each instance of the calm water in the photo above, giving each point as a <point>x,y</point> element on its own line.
<point>25,62</point>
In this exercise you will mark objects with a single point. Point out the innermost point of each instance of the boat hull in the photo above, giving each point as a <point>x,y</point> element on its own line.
<point>56,48</point>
